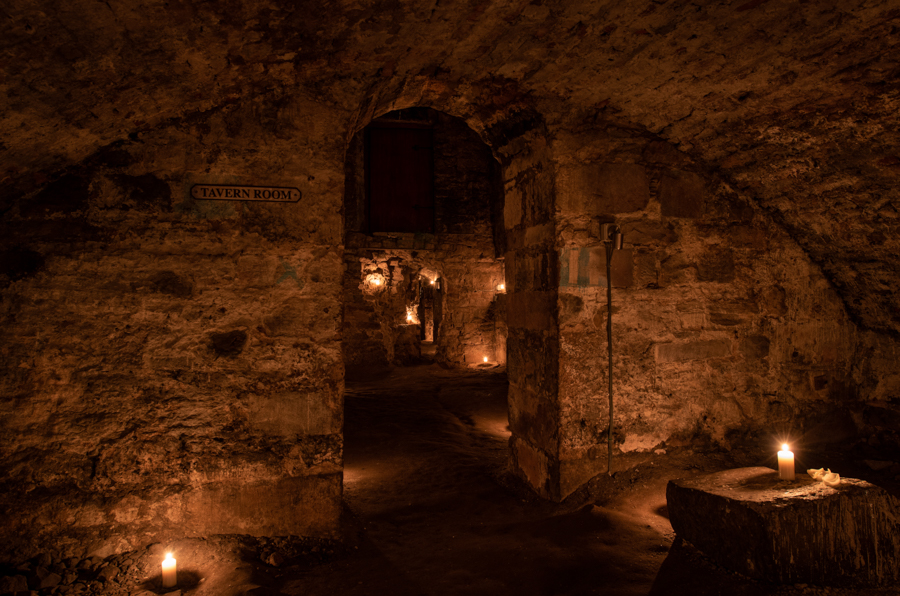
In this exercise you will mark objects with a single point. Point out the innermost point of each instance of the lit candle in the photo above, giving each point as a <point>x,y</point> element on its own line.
<point>432,282</point>
<point>168,571</point>
<point>377,281</point>
<point>785,463</point>
<point>501,287</point>
<point>485,358</point>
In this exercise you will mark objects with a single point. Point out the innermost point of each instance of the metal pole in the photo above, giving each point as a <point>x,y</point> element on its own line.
<point>609,435</point>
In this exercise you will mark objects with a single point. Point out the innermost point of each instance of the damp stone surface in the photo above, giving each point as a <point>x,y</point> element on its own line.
<point>790,532</point>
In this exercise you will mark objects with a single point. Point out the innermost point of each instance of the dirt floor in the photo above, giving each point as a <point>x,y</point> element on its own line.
<point>431,510</point>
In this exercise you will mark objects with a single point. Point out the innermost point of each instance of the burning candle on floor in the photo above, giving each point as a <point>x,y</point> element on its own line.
<point>168,571</point>
<point>785,463</point>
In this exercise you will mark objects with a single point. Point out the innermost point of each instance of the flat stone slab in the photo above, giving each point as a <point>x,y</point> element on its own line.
<point>750,521</point>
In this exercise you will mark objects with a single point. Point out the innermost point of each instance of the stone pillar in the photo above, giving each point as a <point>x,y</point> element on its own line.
<point>589,193</point>
<point>533,336</point>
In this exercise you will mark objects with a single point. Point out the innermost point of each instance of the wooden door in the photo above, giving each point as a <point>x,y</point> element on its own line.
<point>400,179</point>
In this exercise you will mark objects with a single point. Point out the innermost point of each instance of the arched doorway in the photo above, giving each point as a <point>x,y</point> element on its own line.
<point>426,418</point>
<point>424,242</point>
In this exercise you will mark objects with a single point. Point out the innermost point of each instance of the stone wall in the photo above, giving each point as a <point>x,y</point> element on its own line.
<point>723,330</point>
<point>172,366</point>
<point>460,256</point>
<point>533,342</point>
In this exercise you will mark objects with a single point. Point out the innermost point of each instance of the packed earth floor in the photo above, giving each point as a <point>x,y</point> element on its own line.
<point>431,510</point>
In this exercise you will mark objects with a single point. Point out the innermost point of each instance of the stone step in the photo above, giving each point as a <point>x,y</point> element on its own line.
<point>801,531</point>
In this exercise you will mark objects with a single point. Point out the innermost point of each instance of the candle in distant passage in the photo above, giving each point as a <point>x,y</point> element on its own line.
<point>168,571</point>
<point>501,287</point>
<point>785,463</point>
<point>485,358</point>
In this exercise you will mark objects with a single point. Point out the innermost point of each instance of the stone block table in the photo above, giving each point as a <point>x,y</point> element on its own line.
<point>749,521</point>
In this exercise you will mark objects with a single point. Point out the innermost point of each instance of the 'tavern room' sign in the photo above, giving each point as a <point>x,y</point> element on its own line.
<point>225,192</point>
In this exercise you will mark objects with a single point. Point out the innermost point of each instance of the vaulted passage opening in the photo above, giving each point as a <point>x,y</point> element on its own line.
<point>424,274</point>
<point>424,328</point>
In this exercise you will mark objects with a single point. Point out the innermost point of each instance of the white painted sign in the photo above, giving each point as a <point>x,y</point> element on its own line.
<point>228,192</point>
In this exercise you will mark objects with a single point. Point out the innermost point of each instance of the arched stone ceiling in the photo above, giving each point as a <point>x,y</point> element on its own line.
<point>794,102</point>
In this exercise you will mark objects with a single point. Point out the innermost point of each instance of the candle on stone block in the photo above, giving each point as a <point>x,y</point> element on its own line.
<point>785,463</point>
<point>168,571</point>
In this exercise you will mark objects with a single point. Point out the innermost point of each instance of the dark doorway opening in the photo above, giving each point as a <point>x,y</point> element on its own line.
<point>400,176</point>
<point>424,276</point>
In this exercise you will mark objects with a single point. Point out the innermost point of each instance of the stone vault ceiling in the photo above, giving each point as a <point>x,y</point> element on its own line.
<point>793,102</point>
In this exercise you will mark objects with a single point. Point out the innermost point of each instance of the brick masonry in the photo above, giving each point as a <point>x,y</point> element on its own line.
<point>169,360</point>
<point>713,308</point>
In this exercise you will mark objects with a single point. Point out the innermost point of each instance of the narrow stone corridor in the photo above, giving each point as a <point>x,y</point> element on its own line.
<point>425,475</point>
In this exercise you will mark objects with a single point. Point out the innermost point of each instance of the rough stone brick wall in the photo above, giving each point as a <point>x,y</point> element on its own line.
<point>721,324</point>
<point>172,366</point>
<point>533,342</point>
<point>461,253</point>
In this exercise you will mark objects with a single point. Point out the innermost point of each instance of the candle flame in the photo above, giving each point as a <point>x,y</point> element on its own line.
<point>168,556</point>
<point>784,446</point>
<point>411,317</point>
<point>485,358</point>
<point>432,282</point>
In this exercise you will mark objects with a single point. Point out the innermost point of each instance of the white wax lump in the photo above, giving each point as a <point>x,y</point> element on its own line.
<point>827,476</point>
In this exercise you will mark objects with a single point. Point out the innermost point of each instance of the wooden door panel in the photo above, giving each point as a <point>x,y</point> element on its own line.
<point>401,197</point>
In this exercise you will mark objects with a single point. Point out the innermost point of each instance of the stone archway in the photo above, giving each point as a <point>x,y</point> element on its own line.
<point>444,281</point>
<point>516,136</point>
